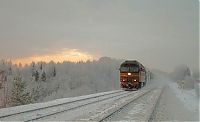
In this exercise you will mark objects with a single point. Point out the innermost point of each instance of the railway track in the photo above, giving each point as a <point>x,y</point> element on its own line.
<point>98,107</point>
<point>43,111</point>
<point>139,108</point>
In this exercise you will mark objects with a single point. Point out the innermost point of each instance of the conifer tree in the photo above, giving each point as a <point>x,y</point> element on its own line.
<point>35,94</point>
<point>33,69</point>
<point>54,71</point>
<point>41,66</point>
<point>36,75</point>
<point>10,71</point>
<point>43,77</point>
<point>19,96</point>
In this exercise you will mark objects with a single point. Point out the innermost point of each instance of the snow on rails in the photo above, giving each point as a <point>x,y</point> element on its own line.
<point>95,107</point>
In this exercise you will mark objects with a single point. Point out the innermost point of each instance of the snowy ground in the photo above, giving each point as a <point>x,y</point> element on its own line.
<point>177,105</point>
<point>188,97</point>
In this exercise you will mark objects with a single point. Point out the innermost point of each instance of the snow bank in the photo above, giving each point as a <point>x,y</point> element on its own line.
<point>196,87</point>
<point>188,97</point>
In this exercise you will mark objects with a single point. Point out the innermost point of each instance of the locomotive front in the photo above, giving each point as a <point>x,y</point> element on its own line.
<point>131,75</point>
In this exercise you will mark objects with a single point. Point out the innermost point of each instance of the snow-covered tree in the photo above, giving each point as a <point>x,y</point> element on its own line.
<point>195,74</point>
<point>182,75</point>
<point>181,72</point>
<point>19,94</point>
<point>43,77</point>
<point>41,67</point>
<point>188,82</point>
<point>36,75</point>
<point>10,71</point>
<point>54,72</point>
<point>35,94</point>
<point>33,69</point>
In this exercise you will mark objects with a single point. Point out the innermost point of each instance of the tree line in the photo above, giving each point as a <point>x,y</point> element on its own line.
<point>43,81</point>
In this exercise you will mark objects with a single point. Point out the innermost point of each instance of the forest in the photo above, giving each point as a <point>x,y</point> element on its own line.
<point>41,81</point>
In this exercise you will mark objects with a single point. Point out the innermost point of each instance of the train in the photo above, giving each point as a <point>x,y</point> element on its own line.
<point>133,75</point>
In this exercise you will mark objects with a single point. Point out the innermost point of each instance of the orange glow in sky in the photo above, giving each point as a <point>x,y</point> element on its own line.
<point>72,55</point>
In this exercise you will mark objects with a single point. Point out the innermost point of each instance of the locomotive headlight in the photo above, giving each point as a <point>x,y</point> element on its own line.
<point>134,80</point>
<point>129,73</point>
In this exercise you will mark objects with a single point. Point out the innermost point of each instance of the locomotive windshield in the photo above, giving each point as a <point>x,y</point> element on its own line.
<point>124,69</point>
<point>129,68</point>
<point>134,69</point>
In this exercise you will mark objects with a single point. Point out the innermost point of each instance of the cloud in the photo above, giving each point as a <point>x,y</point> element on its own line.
<point>154,32</point>
<point>73,55</point>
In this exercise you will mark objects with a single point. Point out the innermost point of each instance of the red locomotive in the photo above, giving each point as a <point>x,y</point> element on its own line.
<point>133,75</point>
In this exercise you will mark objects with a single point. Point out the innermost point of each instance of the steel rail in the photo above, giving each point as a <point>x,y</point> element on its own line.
<point>147,117</point>
<point>40,108</point>
<point>152,107</point>
<point>110,112</point>
<point>68,109</point>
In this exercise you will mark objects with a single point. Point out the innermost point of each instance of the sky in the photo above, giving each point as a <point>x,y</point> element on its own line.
<point>161,34</point>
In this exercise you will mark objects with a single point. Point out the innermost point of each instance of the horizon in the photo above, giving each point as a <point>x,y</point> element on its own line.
<point>23,65</point>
